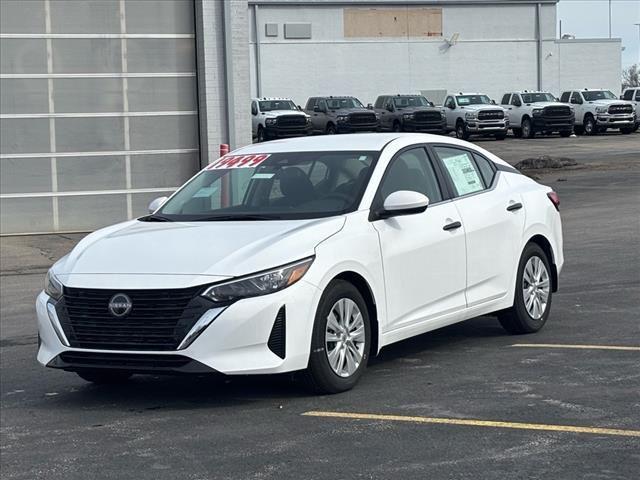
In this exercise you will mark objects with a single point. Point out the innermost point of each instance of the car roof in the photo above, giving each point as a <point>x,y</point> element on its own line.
<point>468,93</point>
<point>269,98</point>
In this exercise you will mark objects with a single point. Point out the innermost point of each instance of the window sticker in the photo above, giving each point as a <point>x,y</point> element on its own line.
<point>237,161</point>
<point>463,173</point>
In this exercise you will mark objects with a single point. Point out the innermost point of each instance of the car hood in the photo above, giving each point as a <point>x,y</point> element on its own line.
<point>346,111</point>
<point>279,113</point>
<point>548,104</point>
<point>477,108</point>
<point>419,109</point>
<point>605,103</point>
<point>219,249</point>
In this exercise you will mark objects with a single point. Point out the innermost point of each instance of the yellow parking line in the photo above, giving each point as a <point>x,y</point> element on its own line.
<point>476,423</point>
<point>581,347</point>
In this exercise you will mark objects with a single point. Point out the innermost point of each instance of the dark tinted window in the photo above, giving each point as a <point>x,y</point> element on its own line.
<point>379,102</point>
<point>628,95</point>
<point>505,99</point>
<point>487,169</point>
<point>462,170</point>
<point>575,98</point>
<point>565,97</point>
<point>412,171</point>
<point>638,95</point>
<point>311,103</point>
<point>515,100</point>
<point>449,103</point>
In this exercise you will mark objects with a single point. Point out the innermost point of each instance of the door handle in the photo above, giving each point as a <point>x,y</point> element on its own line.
<point>514,206</point>
<point>452,226</point>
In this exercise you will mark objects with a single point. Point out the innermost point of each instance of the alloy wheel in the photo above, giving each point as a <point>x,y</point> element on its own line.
<point>345,337</point>
<point>535,287</point>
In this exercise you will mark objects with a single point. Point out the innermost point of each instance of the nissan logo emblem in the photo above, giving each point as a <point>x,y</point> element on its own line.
<point>120,305</point>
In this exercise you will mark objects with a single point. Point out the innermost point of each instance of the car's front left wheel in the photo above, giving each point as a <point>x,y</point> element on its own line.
<point>532,299</point>
<point>341,340</point>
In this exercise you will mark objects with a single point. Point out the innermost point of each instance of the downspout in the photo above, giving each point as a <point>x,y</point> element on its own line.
<point>539,44</point>
<point>228,73</point>
<point>257,52</point>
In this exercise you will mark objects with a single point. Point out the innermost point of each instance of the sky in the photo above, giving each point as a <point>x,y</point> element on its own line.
<point>590,18</point>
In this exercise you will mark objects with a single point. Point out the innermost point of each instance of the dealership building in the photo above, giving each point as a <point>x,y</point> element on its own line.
<point>107,104</point>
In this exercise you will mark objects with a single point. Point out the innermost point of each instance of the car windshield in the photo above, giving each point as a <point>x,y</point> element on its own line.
<point>268,105</point>
<point>537,97</point>
<point>473,100</point>
<point>404,102</point>
<point>278,186</point>
<point>593,95</point>
<point>339,103</point>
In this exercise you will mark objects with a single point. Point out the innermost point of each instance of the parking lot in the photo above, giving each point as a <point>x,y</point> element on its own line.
<point>467,401</point>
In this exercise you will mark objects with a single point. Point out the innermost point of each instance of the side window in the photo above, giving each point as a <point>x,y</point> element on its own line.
<point>322,104</point>
<point>505,99</point>
<point>310,104</point>
<point>412,170</point>
<point>462,170</point>
<point>628,95</point>
<point>379,102</point>
<point>515,100</point>
<point>638,95</point>
<point>565,97</point>
<point>450,103</point>
<point>575,98</point>
<point>254,108</point>
<point>487,169</point>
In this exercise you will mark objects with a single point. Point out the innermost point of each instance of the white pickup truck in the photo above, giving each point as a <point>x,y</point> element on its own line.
<point>633,95</point>
<point>277,118</point>
<point>598,110</point>
<point>533,112</point>
<point>475,114</point>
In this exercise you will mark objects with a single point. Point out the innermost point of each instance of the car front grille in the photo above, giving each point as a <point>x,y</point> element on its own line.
<point>613,109</point>
<point>558,111</point>
<point>427,116</point>
<point>362,118</point>
<point>123,360</point>
<point>490,114</point>
<point>158,319</point>
<point>292,121</point>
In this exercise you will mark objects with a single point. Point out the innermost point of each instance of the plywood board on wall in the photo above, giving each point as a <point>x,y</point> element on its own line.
<point>392,22</point>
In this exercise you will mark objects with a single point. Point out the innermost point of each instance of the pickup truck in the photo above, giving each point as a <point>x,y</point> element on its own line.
<point>633,95</point>
<point>277,118</point>
<point>409,113</point>
<point>331,115</point>
<point>475,114</point>
<point>598,110</point>
<point>533,112</point>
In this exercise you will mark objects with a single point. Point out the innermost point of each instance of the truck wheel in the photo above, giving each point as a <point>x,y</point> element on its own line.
<point>590,127</point>
<point>627,130</point>
<point>396,127</point>
<point>461,131</point>
<point>261,135</point>
<point>527,128</point>
<point>565,133</point>
<point>331,129</point>
<point>517,132</point>
<point>578,129</point>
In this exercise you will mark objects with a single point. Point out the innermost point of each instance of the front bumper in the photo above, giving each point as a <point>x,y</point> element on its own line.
<point>553,124</point>
<point>287,132</point>
<point>236,342</point>
<point>425,127</point>
<point>354,128</point>
<point>488,127</point>
<point>615,121</point>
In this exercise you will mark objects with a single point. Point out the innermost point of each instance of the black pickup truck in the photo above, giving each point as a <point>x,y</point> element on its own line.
<point>340,115</point>
<point>409,113</point>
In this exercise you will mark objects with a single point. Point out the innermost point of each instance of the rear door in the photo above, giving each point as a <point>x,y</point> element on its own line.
<point>493,217</point>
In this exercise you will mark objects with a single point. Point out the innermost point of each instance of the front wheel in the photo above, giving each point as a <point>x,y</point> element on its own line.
<point>590,127</point>
<point>527,128</point>
<point>261,135</point>
<point>461,131</point>
<point>532,299</point>
<point>340,341</point>
<point>331,129</point>
<point>104,377</point>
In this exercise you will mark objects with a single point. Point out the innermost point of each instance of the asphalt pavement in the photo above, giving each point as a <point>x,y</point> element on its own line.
<point>464,402</point>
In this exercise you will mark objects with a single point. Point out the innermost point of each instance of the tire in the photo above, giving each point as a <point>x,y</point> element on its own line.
<point>578,129</point>
<point>461,131</point>
<point>517,132</point>
<point>565,133</point>
<point>527,128</point>
<point>636,126</point>
<point>519,319</point>
<point>104,377</point>
<point>321,376</point>
<point>500,136</point>
<point>396,127</point>
<point>627,131</point>
<point>261,135</point>
<point>331,129</point>
<point>590,127</point>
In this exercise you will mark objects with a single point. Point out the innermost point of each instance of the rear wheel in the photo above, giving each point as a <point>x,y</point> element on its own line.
<point>341,340</point>
<point>590,127</point>
<point>532,299</point>
<point>104,377</point>
<point>527,128</point>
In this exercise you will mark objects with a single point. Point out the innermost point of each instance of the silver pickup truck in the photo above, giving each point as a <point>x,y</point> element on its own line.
<point>533,112</point>
<point>475,114</point>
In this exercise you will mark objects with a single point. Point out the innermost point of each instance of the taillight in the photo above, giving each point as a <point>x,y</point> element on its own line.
<point>555,199</point>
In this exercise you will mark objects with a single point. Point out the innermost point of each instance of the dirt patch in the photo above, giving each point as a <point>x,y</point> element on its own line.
<point>545,162</point>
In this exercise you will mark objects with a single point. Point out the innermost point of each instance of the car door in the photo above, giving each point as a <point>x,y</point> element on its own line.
<point>493,217</point>
<point>515,110</point>
<point>423,254</point>
<point>450,112</point>
<point>254,118</point>
<point>577,102</point>
<point>386,116</point>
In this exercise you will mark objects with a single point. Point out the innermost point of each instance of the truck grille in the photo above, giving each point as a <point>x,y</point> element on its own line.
<point>620,109</point>
<point>292,121</point>
<point>362,118</point>
<point>158,319</point>
<point>559,111</point>
<point>427,117</point>
<point>490,114</point>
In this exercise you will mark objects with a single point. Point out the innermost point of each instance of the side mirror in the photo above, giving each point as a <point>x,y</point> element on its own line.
<point>431,104</point>
<point>403,202</point>
<point>157,203</point>
<point>621,97</point>
<point>493,102</point>
<point>369,106</point>
<point>299,107</point>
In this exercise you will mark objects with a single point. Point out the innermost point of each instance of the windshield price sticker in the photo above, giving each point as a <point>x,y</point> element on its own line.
<point>237,161</point>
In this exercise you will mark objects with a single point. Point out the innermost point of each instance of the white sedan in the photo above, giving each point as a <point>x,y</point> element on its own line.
<point>308,255</point>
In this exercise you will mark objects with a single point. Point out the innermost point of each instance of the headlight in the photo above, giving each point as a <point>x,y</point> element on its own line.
<point>308,120</point>
<point>377,116</point>
<point>471,115</point>
<point>602,109</point>
<point>408,116</point>
<point>52,286</point>
<point>343,118</point>
<point>536,112</point>
<point>443,114</point>
<point>259,284</point>
<point>271,121</point>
